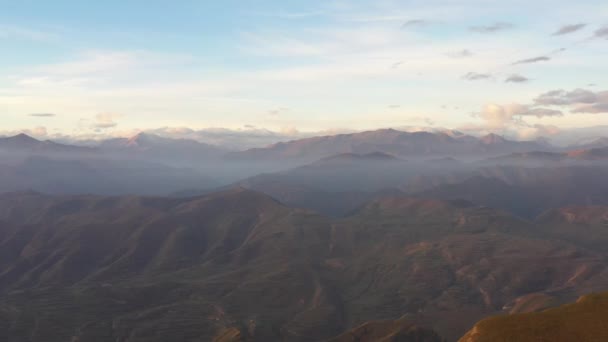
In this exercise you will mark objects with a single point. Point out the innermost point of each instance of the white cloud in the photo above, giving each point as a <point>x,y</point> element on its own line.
<point>501,116</point>
<point>106,120</point>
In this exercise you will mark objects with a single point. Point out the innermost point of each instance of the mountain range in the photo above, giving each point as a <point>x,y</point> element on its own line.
<point>373,236</point>
<point>239,263</point>
<point>26,144</point>
<point>394,142</point>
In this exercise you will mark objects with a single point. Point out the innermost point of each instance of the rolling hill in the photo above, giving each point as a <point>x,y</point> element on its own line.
<point>239,264</point>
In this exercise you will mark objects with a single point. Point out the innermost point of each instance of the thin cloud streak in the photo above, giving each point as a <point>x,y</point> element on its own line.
<point>567,29</point>
<point>497,27</point>
<point>533,60</point>
<point>473,76</point>
<point>42,115</point>
<point>517,79</point>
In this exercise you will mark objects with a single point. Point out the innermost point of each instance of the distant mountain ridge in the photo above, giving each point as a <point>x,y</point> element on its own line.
<point>349,157</point>
<point>26,144</point>
<point>145,145</point>
<point>393,142</point>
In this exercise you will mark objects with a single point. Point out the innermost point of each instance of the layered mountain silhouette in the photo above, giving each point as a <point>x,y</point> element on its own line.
<point>394,142</point>
<point>593,154</point>
<point>154,147</point>
<point>24,143</point>
<point>381,235</point>
<point>525,191</point>
<point>239,264</point>
<point>99,176</point>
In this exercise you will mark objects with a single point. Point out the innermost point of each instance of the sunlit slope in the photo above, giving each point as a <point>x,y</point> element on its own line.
<point>583,321</point>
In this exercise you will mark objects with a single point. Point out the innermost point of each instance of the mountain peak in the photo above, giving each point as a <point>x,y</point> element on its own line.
<point>493,138</point>
<point>20,141</point>
<point>24,138</point>
<point>139,138</point>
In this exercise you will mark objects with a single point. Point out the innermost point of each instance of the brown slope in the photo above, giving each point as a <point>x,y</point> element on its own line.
<point>157,262</point>
<point>388,331</point>
<point>587,226</point>
<point>583,321</point>
<point>447,263</point>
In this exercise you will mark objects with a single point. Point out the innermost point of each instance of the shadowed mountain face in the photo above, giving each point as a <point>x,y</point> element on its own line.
<point>539,157</point>
<point>22,146</point>
<point>524,191</point>
<point>584,320</point>
<point>98,176</point>
<point>239,265</point>
<point>156,148</point>
<point>338,185</point>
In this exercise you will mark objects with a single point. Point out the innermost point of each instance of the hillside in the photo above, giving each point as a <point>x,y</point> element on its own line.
<point>584,320</point>
<point>388,331</point>
<point>239,264</point>
<point>524,191</point>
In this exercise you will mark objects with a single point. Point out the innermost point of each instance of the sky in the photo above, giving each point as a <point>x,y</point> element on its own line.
<point>110,68</point>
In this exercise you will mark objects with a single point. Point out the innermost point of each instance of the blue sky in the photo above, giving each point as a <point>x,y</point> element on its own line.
<point>115,67</point>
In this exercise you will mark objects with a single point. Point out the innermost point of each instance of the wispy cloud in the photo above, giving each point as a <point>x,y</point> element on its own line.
<point>566,98</point>
<point>567,29</point>
<point>497,27</point>
<point>414,23</point>
<point>515,78</point>
<point>500,116</point>
<point>533,60</point>
<point>289,15</point>
<point>601,33</point>
<point>460,54</point>
<point>43,115</point>
<point>396,65</point>
<point>578,100</point>
<point>106,120</point>
<point>473,76</point>
<point>277,112</point>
